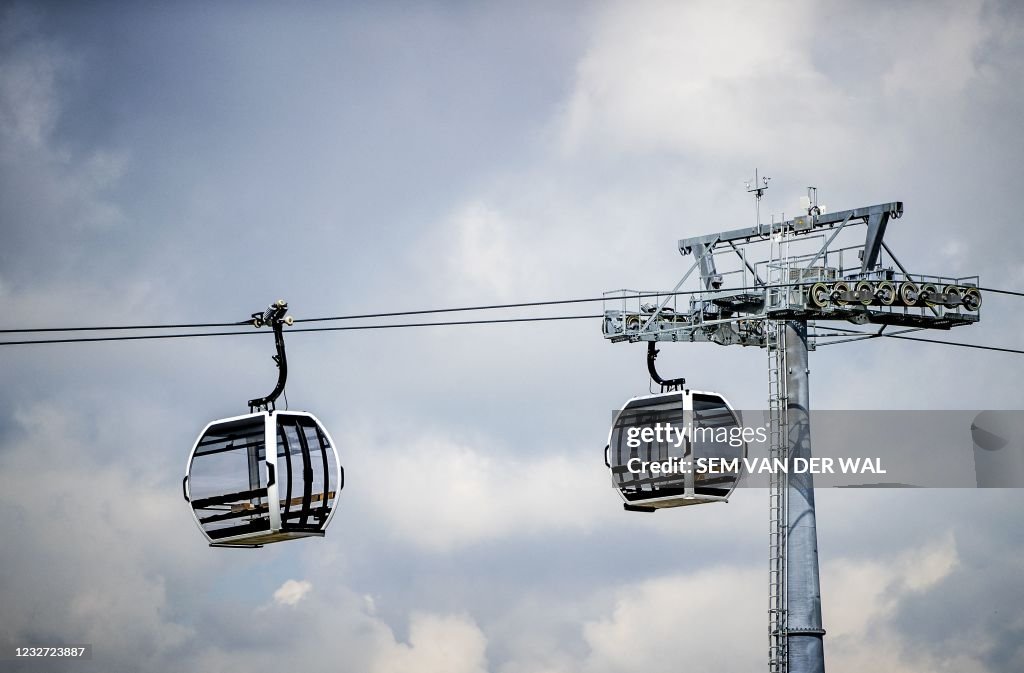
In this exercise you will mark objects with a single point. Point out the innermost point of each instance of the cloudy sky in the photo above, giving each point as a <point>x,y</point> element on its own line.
<point>193,161</point>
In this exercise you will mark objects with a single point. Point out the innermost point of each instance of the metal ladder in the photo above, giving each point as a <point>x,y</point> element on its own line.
<point>777,512</point>
<point>778,450</point>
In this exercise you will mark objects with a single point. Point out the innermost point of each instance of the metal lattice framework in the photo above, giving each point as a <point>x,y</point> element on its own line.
<point>816,266</point>
<point>861,283</point>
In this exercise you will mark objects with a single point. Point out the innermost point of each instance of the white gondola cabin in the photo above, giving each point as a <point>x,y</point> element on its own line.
<point>243,495</point>
<point>683,447</point>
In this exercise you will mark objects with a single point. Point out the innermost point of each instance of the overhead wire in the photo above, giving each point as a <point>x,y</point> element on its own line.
<point>361,316</point>
<point>139,337</point>
<point>859,334</point>
<point>866,335</point>
<point>899,335</point>
<point>482,307</point>
<point>115,328</point>
<point>1012,293</point>
<point>391,314</point>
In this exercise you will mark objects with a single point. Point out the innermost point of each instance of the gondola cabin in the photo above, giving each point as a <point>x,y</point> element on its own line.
<point>243,495</point>
<point>677,448</point>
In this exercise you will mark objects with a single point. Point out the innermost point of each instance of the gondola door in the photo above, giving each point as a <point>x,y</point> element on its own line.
<point>231,481</point>
<point>310,475</point>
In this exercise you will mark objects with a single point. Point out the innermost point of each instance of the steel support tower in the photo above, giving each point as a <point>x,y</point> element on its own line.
<point>804,635</point>
<point>817,267</point>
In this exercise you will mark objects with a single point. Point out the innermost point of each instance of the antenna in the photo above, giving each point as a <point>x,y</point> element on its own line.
<point>757,187</point>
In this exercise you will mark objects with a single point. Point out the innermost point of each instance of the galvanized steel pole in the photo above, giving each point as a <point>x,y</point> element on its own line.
<point>803,589</point>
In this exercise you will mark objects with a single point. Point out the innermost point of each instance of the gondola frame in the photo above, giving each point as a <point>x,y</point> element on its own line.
<point>689,495</point>
<point>277,531</point>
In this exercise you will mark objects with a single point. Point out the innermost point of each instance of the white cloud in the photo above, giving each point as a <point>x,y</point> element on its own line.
<point>862,592</point>
<point>440,494</point>
<point>291,592</point>
<point>709,77</point>
<point>862,596</point>
<point>490,254</point>
<point>716,619</point>
<point>437,644</point>
<point>722,81</point>
<point>95,539</point>
<point>28,100</point>
<point>703,618</point>
<point>938,55</point>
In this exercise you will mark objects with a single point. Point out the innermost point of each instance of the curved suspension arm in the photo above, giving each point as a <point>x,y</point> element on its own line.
<point>666,384</point>
<point>274,316</point>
